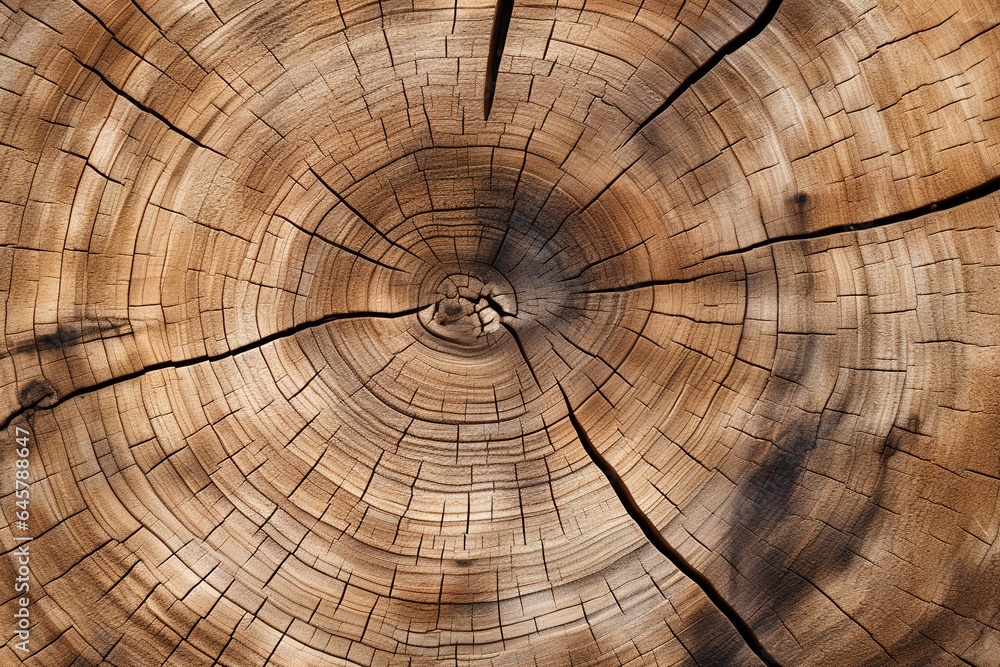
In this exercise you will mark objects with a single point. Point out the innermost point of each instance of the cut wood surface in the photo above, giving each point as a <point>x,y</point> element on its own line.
<point>688,355</point>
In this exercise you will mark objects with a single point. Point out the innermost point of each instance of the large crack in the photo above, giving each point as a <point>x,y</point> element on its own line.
<point>730,47</point>
<point>646,284</point>
<point>517,340</point>
<point>657,540</point>
<point>498,38</point>
<point>145,108</point>
<point>37,403</point>
<point>501,23</point>
<point>755,28</point>
<point>650,531</point>
<point>978,192</point>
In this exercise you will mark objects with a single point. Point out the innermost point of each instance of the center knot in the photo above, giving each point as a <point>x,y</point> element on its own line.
<point>469,309</point>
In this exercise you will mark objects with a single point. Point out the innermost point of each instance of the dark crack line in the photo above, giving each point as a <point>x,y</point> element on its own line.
<point>578,211</point>
<point>598,262</point>
<point>144,108</point>
<point>649,530</point>
<point>730,47</point>
<point>366,221</point>
<point>978,192</point>
<point>492,303</point>
<point>650,283</point>
<point>524,355</point>
<point>184,363</point>
<point>607,187</point>
<point>340,246</point>
<point>657,540</point>
<point>498,38</point>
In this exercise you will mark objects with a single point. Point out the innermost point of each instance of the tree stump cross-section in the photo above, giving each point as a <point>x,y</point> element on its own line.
<point>500,333</point>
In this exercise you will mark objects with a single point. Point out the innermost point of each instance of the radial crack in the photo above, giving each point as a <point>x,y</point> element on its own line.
<point>730,47</point>
<point>978,192</point>
<point>341,246</point>
<point>145,109</point>
<point>359,216</point>
<point>650,283</point>
<point>607,258</point>
<point>498,37</point>
<point>184,363</point>
<point>657,540</point>
<point>524,354</point>
<point>650,531</point>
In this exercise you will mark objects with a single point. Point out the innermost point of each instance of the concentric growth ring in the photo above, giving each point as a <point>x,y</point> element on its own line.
<point>685,356</point>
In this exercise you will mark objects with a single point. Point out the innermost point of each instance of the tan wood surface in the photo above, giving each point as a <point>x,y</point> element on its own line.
<point>321,368</point>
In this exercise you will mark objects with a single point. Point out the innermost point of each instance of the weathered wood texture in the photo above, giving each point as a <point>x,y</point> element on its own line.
<point>299,336</point>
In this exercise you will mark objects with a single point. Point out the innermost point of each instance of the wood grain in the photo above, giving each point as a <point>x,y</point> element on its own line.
<point>323,368</point>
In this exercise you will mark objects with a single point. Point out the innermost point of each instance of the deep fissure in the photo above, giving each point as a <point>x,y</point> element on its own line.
<point>972,194</point>
<point>657,540</point>
<point>498,38</point>
<point>184,363</point>
<point>757,27</point>
<point>649,530</point>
